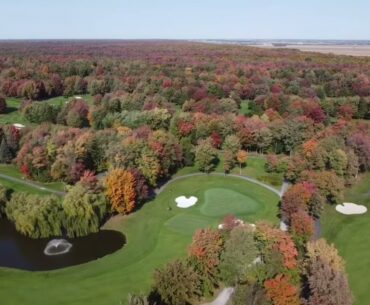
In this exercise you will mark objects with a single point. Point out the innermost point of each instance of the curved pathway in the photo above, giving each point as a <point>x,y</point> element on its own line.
<point>280,193</point>
<point>157,191</point>
<point>223,297</point>
<point>32,184</point>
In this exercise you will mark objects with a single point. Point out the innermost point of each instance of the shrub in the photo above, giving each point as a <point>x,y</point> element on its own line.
<point>39,112</point>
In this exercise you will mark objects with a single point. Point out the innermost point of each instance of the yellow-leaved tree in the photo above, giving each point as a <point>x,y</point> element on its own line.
<point>121,190</point>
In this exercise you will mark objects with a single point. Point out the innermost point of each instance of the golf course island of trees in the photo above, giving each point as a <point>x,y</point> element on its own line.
<point>169,173</point>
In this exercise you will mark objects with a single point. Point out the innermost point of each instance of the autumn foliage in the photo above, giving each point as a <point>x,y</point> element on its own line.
<point>297,198</point>
<point>242,157</point>
<point>302,225</point>
<point>206,248</point>
<point>279,241</point>
<point>281,292</point>
<point>121,190</point>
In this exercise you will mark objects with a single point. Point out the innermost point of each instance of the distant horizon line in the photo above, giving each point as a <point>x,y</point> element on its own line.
<point>187,39</point>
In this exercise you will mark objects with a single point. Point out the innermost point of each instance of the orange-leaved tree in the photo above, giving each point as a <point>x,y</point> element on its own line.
<point>206,251</point>
<point>121,190</point>
<point>241,156</point>
<point>280,241</point>
<point>281,292</point>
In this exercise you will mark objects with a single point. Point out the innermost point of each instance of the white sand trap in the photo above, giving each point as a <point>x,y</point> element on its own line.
<point>183,202</point>
<point>78,97</point>
<point>349,208</point>
<point>18,126</point>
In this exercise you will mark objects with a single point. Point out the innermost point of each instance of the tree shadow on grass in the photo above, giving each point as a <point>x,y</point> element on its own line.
<point>10,110</point>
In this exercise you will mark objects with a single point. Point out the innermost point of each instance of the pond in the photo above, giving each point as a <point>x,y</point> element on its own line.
<point>18,251</point>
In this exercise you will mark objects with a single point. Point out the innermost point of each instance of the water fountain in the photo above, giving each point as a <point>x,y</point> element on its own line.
<point>57,247</point>
<point>21,252</point>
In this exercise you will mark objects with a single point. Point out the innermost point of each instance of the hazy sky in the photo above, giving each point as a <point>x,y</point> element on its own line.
<point>321,19</point>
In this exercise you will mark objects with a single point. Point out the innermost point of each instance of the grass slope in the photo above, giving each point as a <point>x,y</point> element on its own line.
<point>13,171</point>
<point>220,202</point>
<point>350,234</point>
<point>155,235</point>
<point>255,168</point>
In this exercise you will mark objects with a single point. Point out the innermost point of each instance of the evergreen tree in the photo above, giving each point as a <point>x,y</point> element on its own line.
<point>5,152</point>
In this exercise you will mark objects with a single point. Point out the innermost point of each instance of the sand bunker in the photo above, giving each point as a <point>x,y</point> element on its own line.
<point>349,208</point>
<point>18,125</point>
<point>183,202</point>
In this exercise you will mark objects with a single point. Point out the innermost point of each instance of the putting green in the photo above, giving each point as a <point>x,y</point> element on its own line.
<point>220,202</point>
<point>157,233</point>
<point>187,223</point>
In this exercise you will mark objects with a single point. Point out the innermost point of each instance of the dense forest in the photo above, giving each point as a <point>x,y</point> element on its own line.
<point>150,108</point>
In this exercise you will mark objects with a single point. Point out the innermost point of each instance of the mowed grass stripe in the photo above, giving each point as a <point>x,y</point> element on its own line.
<point>220,202</point>
<point>187,223</point>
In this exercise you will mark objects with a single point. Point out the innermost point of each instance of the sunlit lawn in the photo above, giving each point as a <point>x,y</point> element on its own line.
<point>350,234</point>
<point>12,170</point>
<point>155,235</point>
<point>254,168</point>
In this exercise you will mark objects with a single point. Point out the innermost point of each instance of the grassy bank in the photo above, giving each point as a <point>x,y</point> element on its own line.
<point>155,235</point>
<point>254,168</point>
<point>350,234</point>
<point>12,171</point>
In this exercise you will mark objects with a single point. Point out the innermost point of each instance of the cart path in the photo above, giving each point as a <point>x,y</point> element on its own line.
<point>280,193</point>
<point>32,184</point>
<point>223,297</point>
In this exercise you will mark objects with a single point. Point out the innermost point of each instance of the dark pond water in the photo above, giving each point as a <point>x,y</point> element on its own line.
<point>18,251</point>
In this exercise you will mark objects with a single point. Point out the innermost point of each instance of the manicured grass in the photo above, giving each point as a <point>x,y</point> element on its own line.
<point>244,108</point>
<point>12,114</point>
<point>12,170</point>
<point>350,234</point>
<point>254,168</point>
<point>188,223</point>
<point>156,234</point>
<point>21,187</point>
<point>220,202</point>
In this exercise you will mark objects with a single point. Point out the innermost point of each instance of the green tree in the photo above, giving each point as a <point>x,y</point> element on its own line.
<point>229,161</point>
<point>177,283</point>
<point>149,165</point>
<point>338,161</point>
<point>35,216</point>
<point>3,199</point>
<point>238,256</point>
<point>38,112</point>
<point>83,211</point>
<point>205,156</point>
<point>187,151</point>
<point>232,143</point>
